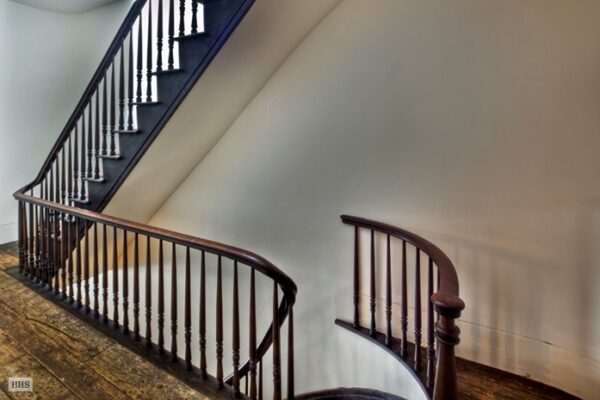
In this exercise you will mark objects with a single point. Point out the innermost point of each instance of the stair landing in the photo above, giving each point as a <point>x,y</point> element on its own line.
<point>66,358</point>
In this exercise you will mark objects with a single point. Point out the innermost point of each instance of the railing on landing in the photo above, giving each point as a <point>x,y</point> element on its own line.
<point>442,308</point>
<point>48,233</point>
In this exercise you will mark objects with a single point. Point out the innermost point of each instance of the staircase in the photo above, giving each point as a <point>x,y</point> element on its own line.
<point>166,295</point>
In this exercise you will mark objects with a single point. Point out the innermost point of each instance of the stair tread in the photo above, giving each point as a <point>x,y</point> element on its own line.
<point>167,71</point>
<point>192,36</point>
<point>127,131</point>
<point>146,103</point>
<point>110,157</point>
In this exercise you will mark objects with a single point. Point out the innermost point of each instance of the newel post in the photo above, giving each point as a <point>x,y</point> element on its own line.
<point>447,335</point>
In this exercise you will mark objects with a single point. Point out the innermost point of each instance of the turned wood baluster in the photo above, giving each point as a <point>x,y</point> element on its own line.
<point>122,88</point>
<point>260,379</point>
<point>37,244</point>
<point>125,285</point>
<point>31,262</point>
<point>90,145</point>
<point>96,273</point>
<point>356,278</point>
<point>130,68</point>
<point>388,294</point>
<point>174,304</point>
<point>417,356</point>
<point>78,264</point>
<point>188,313</point>
<point>373,304</point>
<point>276,346</point>
<point>161,299</point>
<point>63,173</point>
<point>252,344</point>
<point>47,252</point>
<point>115,288</point>
<point>113,111</point>
<point>83,171</point>
<point>57,217</point>
<point>159,36</point>
<point>148,294</point>
<point>181,17</point>
<point>430,328</point>
<point>140,61</point>
<point>64,248</point>
<point>203,316</point>
<point>136,288</point>
<point>96,150</point>
<point>290,370</point>
<point>194,16</point>
<point>105,114</point>
<point>149,61</point>
<point>70,255</point>
<point>219,328</point>
<point>20,235</point>
<point>236,332</point>
<point>104,275</point>
<point>75,194</point>
<point>86,268</point>
<point>171,40</point>
<point>404,311</point>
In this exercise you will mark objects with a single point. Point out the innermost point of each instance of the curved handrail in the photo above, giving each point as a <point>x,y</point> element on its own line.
<point>123,31</point>
<point>446,299</point>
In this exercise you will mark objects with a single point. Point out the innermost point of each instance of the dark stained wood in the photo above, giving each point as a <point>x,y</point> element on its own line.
<point>86,269</point>
<point>219,324</point>
<point>115,289</point>
<point>417,288</point>
<point>130,81</point>
<point>194,17</point>
<point>181,17</point>
<point>203,316</point>
<point>139,59</point>
<point>430,328</point>
<point>174,303</point>
<point>96,290</point>
<point>276,347</point>
<point>235,332</point>
<point>373,292</point>
<point>252,335</point>
<point>136,287</point>
<point>149,60</point>
<point>104,274</point>
<point>125,295</point>
<point>161,299</point>
<point>171,38</point>
<point>290,366</point>
<point>356,292</point>
<point>159,36</point>
<point>188,312</point>
<point>148,293</point>
<point>388,291</point>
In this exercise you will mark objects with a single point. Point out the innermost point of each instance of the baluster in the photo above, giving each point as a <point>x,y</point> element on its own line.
<point>122,88</point>
<point>219,328</point>
<point>96,272</point>
<point>260,379</point>
<point>188,313</point>
<point>130,69</point>
<point>105,115</point>
<point>70,251</point>
<point>125,285</point>
<point>252,344</point>
<point>86,268</point>
<point>149,62</point>
<point>70,171</point>
<point>57,256</point>
<point>20,234</point>
<point>161,300</point>
<point>388,294</point>
<point>171,40</point>
<point>430,328</point>
<point>75,194</point>
<point>246,385</point>
<point>203,316</point>
<point>63,172</point>
<point>115,288</point>
<point>417,357</point>
<point>236,332</point>
<point>373,303</point>
<point>404,311</point>
<point>37,245</point>
<point>104,275</point>
<point>136,288</point>
<point>113,111</point>
<point>96,150</point>
<point>83,171</point>
<point>181,17</point>
<point>356,277</point>
<point>78,259</point>
<point>290,371</point>
<point>64,248</point>
<point>194,16</point>
<point>276,346</point>
<point>140,61</point>
<point>90,145</point>
<point>31,241</point>
<point>159,34</point>
<point>174,304</point>
<point>148,294</point>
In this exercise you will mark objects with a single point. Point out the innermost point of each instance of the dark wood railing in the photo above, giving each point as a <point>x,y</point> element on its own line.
<point>443,306</point>
<point>70,252</point>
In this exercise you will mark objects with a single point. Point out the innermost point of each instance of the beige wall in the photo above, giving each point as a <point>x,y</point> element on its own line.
<point>472,122</point>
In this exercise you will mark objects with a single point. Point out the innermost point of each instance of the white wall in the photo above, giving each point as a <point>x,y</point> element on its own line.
<point>472,122</point>
<point>47,61</point>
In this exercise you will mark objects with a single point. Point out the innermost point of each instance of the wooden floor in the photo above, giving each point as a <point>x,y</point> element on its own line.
<point>67,359</point>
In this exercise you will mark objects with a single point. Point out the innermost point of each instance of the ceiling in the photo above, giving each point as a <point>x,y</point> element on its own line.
<point>66,6</point>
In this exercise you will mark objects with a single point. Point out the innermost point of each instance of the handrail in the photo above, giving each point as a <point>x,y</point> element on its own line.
<point>446,298</point>
<point>123,31</point>
<point>440,375</point>
<point>259,263</point>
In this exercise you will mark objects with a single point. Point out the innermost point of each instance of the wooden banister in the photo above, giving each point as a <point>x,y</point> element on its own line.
<point>439,378</point>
